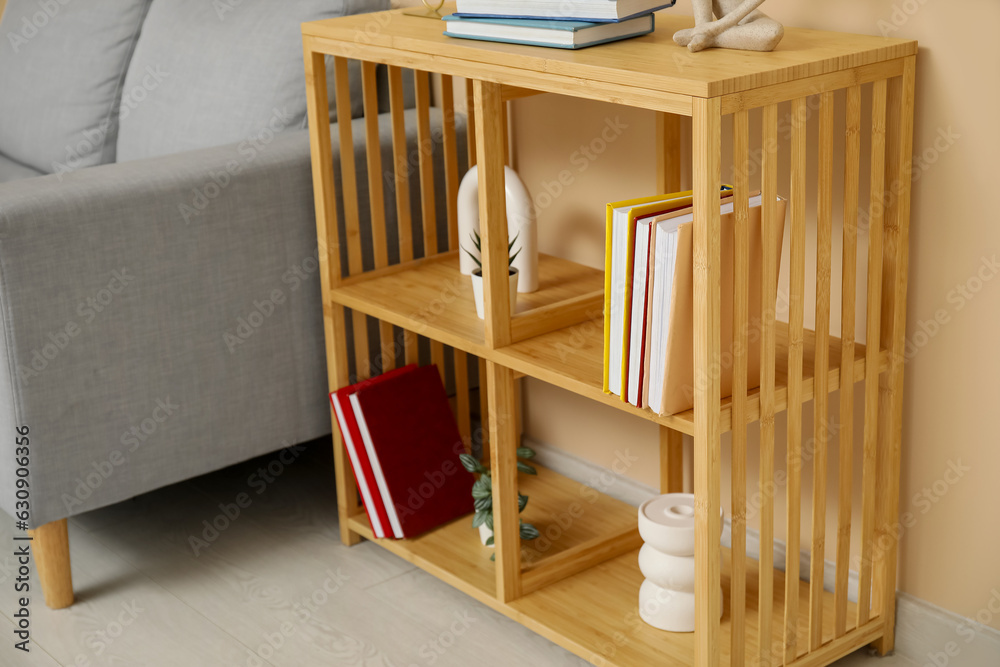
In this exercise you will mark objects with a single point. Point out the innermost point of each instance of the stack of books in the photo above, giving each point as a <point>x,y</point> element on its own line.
<point>649,299</point>
<point>403,442</point>
<point>564,24</point>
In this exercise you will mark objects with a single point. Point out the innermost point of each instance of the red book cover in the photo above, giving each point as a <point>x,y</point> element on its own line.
<point>414,444</point>
<point>358,454</point>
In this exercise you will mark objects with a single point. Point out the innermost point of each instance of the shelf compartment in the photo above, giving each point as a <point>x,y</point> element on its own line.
<point>573,358</point>
<point>580,527</point>
<point>432,298</point>
<point>593,612</point>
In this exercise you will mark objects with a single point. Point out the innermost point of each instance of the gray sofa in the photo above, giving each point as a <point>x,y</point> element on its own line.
<point>159,294</point>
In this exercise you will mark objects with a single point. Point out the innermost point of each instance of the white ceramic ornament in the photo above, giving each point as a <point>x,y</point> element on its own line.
<point>666,597</point>
<point>740,25</point>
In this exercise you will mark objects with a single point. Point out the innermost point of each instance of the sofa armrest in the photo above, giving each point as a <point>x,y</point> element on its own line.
<point>147,307</point>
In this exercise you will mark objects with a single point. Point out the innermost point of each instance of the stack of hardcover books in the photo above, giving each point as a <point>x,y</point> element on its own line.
<point>564,24</point>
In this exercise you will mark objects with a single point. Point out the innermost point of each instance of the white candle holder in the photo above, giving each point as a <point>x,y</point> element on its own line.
<point>666,597</point>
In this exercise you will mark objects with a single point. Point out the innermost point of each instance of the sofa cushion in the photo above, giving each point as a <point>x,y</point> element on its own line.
<point>61,72</point>
<point>14,171</point>
<point>233,71</point>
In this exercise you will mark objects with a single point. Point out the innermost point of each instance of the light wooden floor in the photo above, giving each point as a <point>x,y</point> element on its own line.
<point>274,588</point>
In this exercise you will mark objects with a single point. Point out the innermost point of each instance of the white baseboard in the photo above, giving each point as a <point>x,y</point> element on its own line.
<point>925,633</point>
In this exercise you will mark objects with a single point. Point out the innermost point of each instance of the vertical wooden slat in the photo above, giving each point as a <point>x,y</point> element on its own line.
<point>484,408</point>
<point>894,333</point>
<point>437,358</point>
<point>450,146</point>
<point>352,222</point>
<point>492,213</point>
<point>402,167</point>
<point>503,469</point>
<point>373,146</point>
<point>671,460</point>
<point>411,347</point>
<point>470,122</point>
<point>317,102</point>
<point>872,329</point>
<point>796,308</point>
<point>425,152</point>
<point>852,167</point>
<point>824,227</point>
<point>741,324</point>
<point>706,174</point>
<point>668,152</point>
<point>769,286</point>
<point>462,397</point>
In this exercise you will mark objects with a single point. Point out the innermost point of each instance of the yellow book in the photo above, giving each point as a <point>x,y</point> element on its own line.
<point>618,256</point>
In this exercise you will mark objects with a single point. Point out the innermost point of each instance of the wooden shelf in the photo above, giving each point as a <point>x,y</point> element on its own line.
<point>573,357</point>
<point>593,612</point>
<point>431,297</point>
<point>571,517</point>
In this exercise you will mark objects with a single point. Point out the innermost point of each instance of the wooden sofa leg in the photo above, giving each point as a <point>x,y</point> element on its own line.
<point>50,545</point>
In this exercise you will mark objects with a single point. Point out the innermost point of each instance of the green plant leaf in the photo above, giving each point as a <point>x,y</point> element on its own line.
<point>484,503</point>
<point>469,462</point>
<point>510,260</point>
<point>474,258</point>
<point>482,488</point>
<point>525,453</point>
<point>489,520</point>
<point>522,502</point>
<point>526,469</point>
<point>479,519</point>
<point>493,556</point>
<point>489,541</point>
<point>528,532</point>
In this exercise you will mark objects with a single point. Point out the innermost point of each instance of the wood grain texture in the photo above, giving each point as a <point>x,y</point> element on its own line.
<point>706,248</point>
<point>897,255</point>
<point>821,420</point>
<point>852,167</point>
<point>401,167</point>
<point>492,213</point>
<point>449,143</point>
<point>373,151</point>
<point>425,162</point>
<point>796,312</point>
<point>50,549</point>
<point>653,64</point>
<point>325,197</point>
<point>869,469</point>
<point>769,286</point>
<point>671,460</point>
<point>741,328</point>
<point>668,152</point>
<point>503,469</point>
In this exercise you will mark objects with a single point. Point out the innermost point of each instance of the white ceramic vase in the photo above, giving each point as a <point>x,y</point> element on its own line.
<point>666,560</point>
<point>477,291</point>
<point>485,533</point>
<point>520,223</point>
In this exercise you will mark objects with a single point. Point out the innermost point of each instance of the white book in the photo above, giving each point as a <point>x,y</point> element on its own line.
<point>583,10</point>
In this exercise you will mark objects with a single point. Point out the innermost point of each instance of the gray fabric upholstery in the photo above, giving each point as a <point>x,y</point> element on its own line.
<point>62,69</point>
<point>162,318</point>
<point>12,171</point>
<point>231,71</point>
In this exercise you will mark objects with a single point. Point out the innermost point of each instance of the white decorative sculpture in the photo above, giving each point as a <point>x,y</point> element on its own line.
<point>740,25</point>
<point>520,223</point>
<point>666,597</point>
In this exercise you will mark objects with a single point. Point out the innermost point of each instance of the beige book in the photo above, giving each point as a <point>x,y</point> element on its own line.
<point>678,374</point>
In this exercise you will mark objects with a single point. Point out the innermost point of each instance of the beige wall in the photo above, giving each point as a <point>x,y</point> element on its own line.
<point>951,556</point>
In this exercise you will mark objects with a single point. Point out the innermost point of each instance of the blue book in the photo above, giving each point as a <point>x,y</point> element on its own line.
<point>595,11</point>
<point>539,32</point>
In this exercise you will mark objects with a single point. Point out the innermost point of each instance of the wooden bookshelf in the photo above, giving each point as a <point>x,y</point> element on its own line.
<point>581,589</point>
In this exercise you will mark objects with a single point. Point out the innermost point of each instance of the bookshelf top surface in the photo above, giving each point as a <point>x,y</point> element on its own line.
<point>652,62</point>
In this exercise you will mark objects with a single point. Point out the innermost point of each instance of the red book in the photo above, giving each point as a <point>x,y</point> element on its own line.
<point>413,443</point>
<point>356,451</point>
